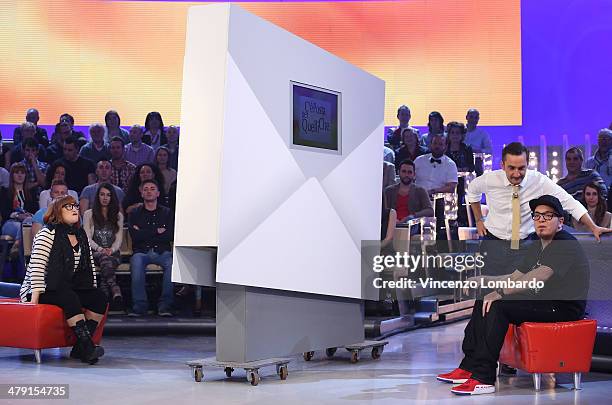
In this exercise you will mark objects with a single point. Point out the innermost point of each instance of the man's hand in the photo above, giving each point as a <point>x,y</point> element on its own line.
<point>599,230</point>
<point>161,230</point>
<point>136,227</point>
<point>482,229</point>
<point>488,300</point>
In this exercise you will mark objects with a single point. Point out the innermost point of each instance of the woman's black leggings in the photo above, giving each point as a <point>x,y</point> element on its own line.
<point>73,301</point>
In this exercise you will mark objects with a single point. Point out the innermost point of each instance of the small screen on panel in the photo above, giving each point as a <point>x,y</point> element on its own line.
<point>315,118</point>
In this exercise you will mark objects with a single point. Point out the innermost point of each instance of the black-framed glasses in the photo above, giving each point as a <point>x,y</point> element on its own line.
<point>71,206</point>
<point>547,216</point>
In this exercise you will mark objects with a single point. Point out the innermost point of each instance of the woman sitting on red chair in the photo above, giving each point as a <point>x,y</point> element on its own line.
<point>61,272</point>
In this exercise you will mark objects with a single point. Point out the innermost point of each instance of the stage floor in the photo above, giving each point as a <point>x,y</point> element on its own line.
<point>151,370</point>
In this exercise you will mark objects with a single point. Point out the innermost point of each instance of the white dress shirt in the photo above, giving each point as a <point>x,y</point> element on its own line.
<point>479,140</point>
<point>497,188</point>
<point>434,175</point>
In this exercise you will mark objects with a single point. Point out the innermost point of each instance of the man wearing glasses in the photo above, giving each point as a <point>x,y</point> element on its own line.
<point>557,263</point>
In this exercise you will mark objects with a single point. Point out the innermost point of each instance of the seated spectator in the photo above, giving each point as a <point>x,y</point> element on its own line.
<point>104,172</point>
<point>435,171</point>
<point>61,249</point>
<point>103,224</point>
<point>173,146</point>
<point>596,206</point>
<point>28,130</point>
<point>5,154</point>
<point>96,149</point>
<point>40,134</point>
<point>55,150</point>
<point>601,161</point>
<point>79,171</point>
<point>388,175</point>
<point>406,198</point>
<point>151,227</point>
<point>155,135</point>
<point>78,135</point>
<point>137,152</point>
<point>395,138</point>
<point>435,126</point>
<point>113,127</point>
<point>4,177</point>
<point>35,170</point>
<point>122,169</point>
<point>58,189</point>
<point>57,171</point>
<point>559,261</point>
<point>161,160</point>
<point>410,149</point>
<point>577,177</point>
<point>477,138</point>
<point>388,155</point>
<point>463,157</point>
<point>133,197</point>
<point>17,205</point>
<point>457,149</point>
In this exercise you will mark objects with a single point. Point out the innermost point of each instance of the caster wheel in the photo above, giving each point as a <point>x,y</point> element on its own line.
<point>198,374</point>
<point>308,356</point>
<point>283,372</point>
<point>228,371</point>
<point>254,378</point>
<point>376,352</point>
<point>330,352</point>
<point>354,356</point>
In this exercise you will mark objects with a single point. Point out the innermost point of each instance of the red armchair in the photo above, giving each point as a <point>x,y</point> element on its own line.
<point>37,327</point>
<point>559,347</point>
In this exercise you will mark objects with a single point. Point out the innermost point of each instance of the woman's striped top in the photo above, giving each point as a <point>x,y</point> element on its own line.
<point>37,268</point>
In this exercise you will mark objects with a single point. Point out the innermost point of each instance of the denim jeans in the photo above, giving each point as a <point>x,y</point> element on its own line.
<point>138,265</point>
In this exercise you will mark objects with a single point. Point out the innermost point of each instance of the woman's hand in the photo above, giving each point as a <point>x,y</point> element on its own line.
<point>35,296</point>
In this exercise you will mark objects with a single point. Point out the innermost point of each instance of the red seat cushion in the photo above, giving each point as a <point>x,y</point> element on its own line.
<point>557,347</point>
<point>36,326</point>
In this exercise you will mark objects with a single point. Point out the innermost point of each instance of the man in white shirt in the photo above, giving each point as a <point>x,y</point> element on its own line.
<point>510,189</point>
<point>601,161</point>
<point>477,138</point>
<point>437,173</point>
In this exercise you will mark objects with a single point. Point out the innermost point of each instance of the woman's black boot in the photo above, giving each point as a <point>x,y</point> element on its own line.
<point>92,325</point>
<point>90,353</point>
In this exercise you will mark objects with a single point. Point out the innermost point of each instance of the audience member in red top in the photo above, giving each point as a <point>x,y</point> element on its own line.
<point>409,200</point>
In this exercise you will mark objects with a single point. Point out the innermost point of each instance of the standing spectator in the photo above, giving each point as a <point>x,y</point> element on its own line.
<point>133,197</point>
<point>395,138</point>
<point>104,172</point>
<point>79,171</point>
<point>151,227</point>
<point>55,151</point>
<point>161,159</point>
<point>577,177</point>
<point>36,170</point>
<point>113,127</point>
<point>40,134</point>
<point>435,126</point>
<point>596,207</point>
<point>477,138</point>
<point>173,146</point>
<point>155,135</point>
<point>17,204</point>
<point>104,227</point>
<point>96,149</point>
<point>410,149</point>
<point>601,161</point>
<point>137,152</point>
<point>28,131</point>
<point>55,172</point>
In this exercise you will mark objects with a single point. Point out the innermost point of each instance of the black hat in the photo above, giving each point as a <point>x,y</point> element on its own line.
<point>548,200</point>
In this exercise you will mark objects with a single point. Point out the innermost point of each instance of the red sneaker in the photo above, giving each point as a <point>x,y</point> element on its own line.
<point>457,376</point>
<point>473,387</point>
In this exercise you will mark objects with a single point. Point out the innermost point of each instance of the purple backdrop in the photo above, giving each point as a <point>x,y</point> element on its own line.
<point>566,72</point>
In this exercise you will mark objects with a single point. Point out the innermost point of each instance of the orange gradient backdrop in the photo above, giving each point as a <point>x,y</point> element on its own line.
<point>88,56</point>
